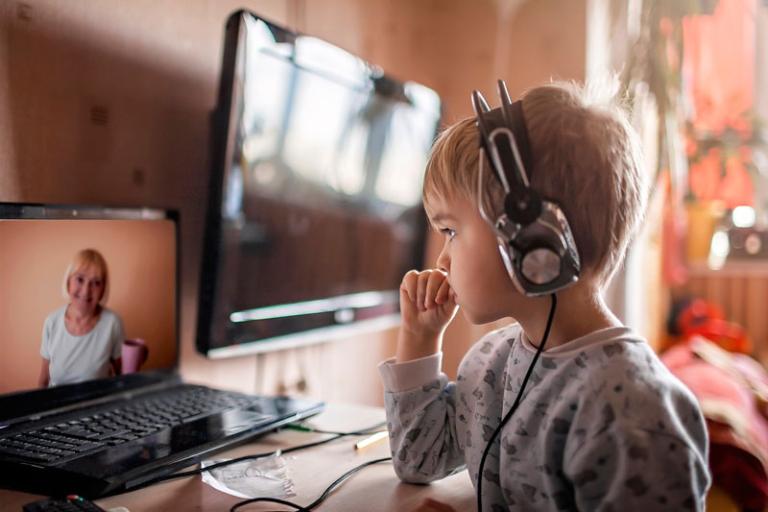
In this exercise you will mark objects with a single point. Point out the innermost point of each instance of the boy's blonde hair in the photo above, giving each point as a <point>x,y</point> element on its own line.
<point>586,157</point>
<point>83,259</point>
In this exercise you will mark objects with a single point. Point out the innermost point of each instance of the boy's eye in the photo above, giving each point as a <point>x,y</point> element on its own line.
<point>450,233</point>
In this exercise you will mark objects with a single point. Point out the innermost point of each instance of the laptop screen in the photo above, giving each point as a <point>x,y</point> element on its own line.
<point>88,296</point>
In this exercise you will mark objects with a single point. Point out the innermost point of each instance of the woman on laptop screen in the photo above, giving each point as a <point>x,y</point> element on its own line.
<point>83,339</point>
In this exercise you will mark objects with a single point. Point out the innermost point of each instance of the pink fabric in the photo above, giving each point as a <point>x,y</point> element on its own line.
<point>731,389</point>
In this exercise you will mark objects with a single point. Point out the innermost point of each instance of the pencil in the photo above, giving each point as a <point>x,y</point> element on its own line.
<point>371,440</point>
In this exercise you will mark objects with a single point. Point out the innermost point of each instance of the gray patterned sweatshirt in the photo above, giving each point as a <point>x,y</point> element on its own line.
<point>602,425</point>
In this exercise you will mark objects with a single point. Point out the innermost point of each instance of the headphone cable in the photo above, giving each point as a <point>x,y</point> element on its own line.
<point>514,406</point>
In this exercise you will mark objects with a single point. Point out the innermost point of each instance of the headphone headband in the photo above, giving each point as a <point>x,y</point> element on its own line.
<point>520,130</point>
<point>511,118</point>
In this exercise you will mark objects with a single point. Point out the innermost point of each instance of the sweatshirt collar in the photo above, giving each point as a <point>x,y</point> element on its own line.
<point>599,337</point>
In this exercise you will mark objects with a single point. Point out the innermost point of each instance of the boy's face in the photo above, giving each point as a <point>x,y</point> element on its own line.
<point>471,258</point>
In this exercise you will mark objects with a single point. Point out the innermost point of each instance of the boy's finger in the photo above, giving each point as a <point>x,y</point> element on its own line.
<point>405,299</point>
<point>421,289</point>
<point>443,292</point>
<point>409,284</point>
<point>433,285</point>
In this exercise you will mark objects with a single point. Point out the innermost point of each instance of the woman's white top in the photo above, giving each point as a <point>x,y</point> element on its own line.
<point>80,358</point>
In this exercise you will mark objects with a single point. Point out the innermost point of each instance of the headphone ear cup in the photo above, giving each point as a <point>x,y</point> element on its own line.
<point>546,259</point>
<point>540,266</point>
<point>508,258</point>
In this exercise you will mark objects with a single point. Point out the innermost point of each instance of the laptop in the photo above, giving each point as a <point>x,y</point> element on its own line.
<point>100,409</point>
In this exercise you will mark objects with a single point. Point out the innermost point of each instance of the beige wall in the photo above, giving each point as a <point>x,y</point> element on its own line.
<point>141,261</point>
<point>107,101</point>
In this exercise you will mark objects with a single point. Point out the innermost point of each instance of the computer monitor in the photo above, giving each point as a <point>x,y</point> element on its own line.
<point>38,245</point>
<point>314,210</point>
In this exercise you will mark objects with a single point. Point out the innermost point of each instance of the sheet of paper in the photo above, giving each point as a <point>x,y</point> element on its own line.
<point>267,476</point>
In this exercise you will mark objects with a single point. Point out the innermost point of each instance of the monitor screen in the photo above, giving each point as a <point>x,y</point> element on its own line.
<point>88,293</point>
<point>314,211</point>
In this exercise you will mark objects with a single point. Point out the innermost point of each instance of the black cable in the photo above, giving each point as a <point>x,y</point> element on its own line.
<point>197,471</point>
<point>373,429</point>
<point>514,406</point>
<point>320,499</point>
<point>358,433</point>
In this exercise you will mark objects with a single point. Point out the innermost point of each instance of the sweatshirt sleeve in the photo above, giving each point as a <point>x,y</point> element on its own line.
<point>420,406</point>
<point>656,465</point>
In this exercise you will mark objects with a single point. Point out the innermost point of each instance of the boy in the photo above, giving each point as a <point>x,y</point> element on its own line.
<point>601,424</point>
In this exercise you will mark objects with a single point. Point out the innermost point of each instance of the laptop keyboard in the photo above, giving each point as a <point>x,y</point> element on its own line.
<point>81,435</point>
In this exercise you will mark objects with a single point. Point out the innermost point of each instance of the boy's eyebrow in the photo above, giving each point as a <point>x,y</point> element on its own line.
<point>442,216</point>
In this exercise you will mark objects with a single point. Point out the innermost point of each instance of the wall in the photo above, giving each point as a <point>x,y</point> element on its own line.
<point>141,261</point>
<point>107,102</point>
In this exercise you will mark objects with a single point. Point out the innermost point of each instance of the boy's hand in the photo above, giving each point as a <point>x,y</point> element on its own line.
<point>427,305</point>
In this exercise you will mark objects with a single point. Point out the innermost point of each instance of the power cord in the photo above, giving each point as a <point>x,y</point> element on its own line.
<point>320,499</point>
<point>514,406</point>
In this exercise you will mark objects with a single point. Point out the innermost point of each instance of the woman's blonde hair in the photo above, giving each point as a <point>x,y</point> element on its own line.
<point>586,157</point>
<point>84,259</point>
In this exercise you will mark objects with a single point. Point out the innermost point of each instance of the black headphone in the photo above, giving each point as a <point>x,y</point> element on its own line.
<point>533,234</point>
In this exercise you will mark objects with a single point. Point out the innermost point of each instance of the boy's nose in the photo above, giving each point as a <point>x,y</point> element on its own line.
<point>443,262</point>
